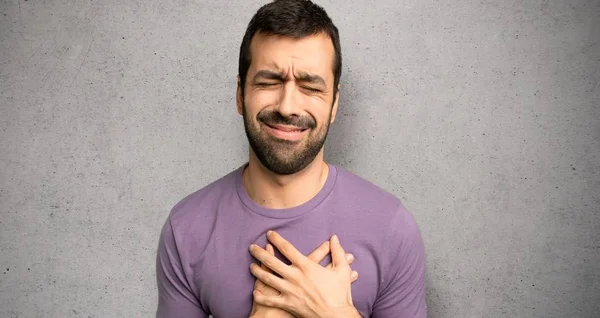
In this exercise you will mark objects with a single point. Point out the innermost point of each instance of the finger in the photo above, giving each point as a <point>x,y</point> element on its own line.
<point>349,259</point>
<point>337,253</point>
<point>271,251</point>
<point>287,249</point>
<point>318,255</point>
<point>270,261</point>
<point>353,276</point>
<point>259,284</point>
<point>269,279</point>
<point>270,301</point>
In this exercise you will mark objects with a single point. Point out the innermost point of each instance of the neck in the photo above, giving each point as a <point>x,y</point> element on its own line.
<point>284,191</point>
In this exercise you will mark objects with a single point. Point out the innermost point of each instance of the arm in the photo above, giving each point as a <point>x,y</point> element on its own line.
<point>175,296</point>
<point>402,293</point>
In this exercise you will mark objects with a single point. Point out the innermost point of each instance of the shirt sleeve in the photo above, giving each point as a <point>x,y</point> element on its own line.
<point>402,292</point>
<point>175,295</point>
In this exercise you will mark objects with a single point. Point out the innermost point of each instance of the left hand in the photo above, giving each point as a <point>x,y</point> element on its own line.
<point>306,288</point>
<point>259,311</point>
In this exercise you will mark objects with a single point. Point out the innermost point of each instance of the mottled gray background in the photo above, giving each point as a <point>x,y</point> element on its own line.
<point>482,116</point>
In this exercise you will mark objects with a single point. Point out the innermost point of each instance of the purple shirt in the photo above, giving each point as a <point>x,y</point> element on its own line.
<point>203,261</point>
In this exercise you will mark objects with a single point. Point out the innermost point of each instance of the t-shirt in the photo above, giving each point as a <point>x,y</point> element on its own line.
<point>202,265</point>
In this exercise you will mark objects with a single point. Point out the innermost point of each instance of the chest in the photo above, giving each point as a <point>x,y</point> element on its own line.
<point>225,282</point>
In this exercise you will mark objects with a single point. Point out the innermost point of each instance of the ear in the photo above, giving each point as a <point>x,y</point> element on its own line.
<point>238,97</point>
<point>335,105</point>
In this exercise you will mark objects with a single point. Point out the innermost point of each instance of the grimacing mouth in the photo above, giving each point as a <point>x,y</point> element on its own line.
<point>286,128</point>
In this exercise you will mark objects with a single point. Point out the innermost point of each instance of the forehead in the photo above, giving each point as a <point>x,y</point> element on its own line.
<point>312,54</point>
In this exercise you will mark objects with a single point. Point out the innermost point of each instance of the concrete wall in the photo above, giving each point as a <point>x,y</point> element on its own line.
<point>482,116</point>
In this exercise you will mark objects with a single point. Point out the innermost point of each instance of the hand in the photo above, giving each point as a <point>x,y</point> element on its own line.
<point>306,288</point>
<point>316,256</point>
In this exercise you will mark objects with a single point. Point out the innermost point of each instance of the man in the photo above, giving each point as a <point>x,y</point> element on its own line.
<point>288,94</point>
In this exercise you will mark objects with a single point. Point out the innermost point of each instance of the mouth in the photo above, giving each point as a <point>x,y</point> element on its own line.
<point>286,132</point>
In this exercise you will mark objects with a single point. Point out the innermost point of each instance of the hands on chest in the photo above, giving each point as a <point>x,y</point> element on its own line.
<point>304,288</point>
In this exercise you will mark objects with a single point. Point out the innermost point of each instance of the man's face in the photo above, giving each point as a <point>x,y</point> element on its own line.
<point>288,101</point>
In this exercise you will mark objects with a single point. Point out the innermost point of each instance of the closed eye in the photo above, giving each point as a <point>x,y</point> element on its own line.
<point>266,84</point>
<point>312,89</point>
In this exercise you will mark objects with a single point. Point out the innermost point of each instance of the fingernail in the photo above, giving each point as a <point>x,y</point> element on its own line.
<point>269,233</point>
<point>349,257</point>
<point>335,239</point>
<point>251,247</point>
<point>354,275</point>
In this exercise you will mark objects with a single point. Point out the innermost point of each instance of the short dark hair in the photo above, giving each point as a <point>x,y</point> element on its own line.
<point>290,18</point>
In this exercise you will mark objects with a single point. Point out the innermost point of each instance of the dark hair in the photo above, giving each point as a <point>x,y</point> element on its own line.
<point>290,18</point>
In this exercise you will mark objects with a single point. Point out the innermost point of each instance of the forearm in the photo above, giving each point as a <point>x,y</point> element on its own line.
<point>350,312</point>
<point>342,313</point>
<point>271,315</point>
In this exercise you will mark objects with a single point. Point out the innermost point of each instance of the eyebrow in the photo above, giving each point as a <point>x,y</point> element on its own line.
<point>302,76</point>
<point>266,74</point>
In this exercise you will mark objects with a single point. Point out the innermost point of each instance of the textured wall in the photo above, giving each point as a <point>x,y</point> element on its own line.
<point>482,116</point>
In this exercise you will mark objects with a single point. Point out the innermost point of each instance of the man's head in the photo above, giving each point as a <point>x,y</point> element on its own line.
<point>289,71</point>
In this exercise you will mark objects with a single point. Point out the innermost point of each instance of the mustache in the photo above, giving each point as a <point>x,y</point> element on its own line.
<point>275,118</point>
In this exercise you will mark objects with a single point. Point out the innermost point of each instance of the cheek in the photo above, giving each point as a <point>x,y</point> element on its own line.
<point>264,98</point>
<point>254,104</point>
<point>318,109</point>
<point>320,112</point>
<point>306,105</point>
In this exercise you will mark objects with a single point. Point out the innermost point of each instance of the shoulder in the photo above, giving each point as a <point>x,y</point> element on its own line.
<point>366,195</point>
<point>198,208</point>
<point>376,206</point>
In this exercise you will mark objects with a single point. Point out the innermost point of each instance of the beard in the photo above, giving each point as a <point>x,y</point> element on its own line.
<point>284,157</point>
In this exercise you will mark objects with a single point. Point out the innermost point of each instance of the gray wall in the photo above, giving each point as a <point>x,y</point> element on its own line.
<point>482,116</point>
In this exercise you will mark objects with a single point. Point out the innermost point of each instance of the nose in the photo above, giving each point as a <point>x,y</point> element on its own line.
<point>289,103</point>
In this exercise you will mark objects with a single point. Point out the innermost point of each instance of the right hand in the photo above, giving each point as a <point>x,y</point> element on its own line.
<point>317,256</point>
